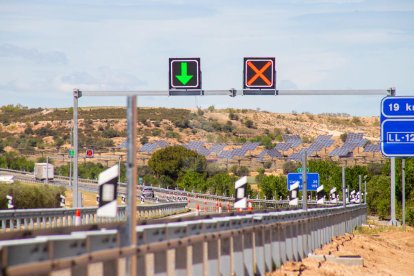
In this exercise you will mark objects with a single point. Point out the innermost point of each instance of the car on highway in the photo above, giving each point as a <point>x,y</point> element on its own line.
<point>148,192</point>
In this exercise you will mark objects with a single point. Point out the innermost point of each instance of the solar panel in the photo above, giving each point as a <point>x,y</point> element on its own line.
<point>353,137</point>
<point>203,151</point>
<point>322,138</point>
<point>161,143</point>
<point>250,146</point>
<point>297,156</point>
<point>194,145</point>
<point>274,153</point>
<point>146,147</point>
<point>343,151</point>
<point>228,154</point>
<point>282,146</point>
<point>216,148</point>
<point>240,152</point>
<point>292,139</point>
<point>372,148</point>
<point>123,145</point>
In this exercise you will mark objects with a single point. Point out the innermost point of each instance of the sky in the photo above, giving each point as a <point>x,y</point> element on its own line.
<point>50,47</point>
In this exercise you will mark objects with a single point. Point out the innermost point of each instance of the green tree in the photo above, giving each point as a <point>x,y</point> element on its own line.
<point>273,186</point>
<point>378,196</point>
<point>175,160</point>
<point>191,180</point>
<point>220,184</point>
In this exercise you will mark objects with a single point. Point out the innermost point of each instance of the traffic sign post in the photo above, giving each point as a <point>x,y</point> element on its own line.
<point>184,76</point>
<point>312,180</point>
<point>259,76</point>
<point>397,135</point>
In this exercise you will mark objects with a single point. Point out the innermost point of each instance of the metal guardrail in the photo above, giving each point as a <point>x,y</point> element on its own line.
<point>238,245</point>
<point>92,185</point>
<point>31,219</point>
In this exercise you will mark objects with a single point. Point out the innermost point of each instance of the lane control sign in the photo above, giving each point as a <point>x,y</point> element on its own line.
<point>184,76</point>
<point>259,76</point>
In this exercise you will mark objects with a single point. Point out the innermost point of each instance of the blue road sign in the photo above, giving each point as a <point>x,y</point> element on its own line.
<point>397,126</point>
<point>397,137</point>
<point>397,107</point>
<point>312,178</point>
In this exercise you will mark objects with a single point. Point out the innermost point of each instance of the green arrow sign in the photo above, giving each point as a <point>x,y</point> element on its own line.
<point>299,170</point>
<point>184,78</point>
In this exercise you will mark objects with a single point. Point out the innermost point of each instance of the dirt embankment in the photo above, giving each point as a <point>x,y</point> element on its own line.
<point>385,251</point>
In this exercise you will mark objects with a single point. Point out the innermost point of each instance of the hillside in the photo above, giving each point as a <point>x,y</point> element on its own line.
<point>33,131</point>
<point>175,125</point>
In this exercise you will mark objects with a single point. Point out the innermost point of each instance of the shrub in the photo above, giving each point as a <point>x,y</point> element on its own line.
<point>249,123</point>
<point>26,196</point>
<point>289,167</point>
<point>143,140</point>
<point>267,164</point>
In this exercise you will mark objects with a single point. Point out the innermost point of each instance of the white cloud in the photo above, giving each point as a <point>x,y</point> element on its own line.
<point>103,78</point>
<point>34,55</point>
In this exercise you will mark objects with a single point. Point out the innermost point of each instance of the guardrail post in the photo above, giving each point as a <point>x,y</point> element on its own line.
<point>197,253</point>
<point>259,262</point>
<point>276,246</point>
<point>289,242</point>
<point>295,240</point>
<point>225,262</point>
<point>248,252</point>
<point>268,249</point>
<point>300,240</point>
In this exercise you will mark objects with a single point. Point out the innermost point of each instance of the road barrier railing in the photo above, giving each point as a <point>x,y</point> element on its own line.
<point>31,219</point>
<point>162,193</point>
<point>252,244</point>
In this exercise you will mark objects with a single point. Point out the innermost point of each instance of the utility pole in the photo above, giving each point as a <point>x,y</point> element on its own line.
<point>365,190</point>
<point>393,218</point>
<point>343,187</point>
<point>131,207</point>
<point>403,189</point>
<point>76,95</point>
<point>304,184</point>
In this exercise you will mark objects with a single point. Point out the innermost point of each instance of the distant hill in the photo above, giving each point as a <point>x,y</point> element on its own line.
<point>104,128</point>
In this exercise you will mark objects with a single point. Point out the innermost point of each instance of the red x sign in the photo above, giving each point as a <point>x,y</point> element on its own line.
<point>89,153</point>
<point>259,73</point>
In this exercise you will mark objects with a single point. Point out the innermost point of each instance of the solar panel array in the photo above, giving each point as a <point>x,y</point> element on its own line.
<point>282,146</point>
<point>151,147</point>
<point>292,139</point>
<point>325,140</point>
<point>321,142</point>
<point>194,145</point>
<point>226,154</point>
<point>274,153</point>
<point>297,156</point>
<point>372,148</point>
<point>250,146</point>
<point>353,141</point>
<point>217,148</point>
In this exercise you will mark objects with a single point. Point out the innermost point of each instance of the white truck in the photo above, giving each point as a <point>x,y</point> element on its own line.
<point>8,179</point>
<point>43,171</point>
